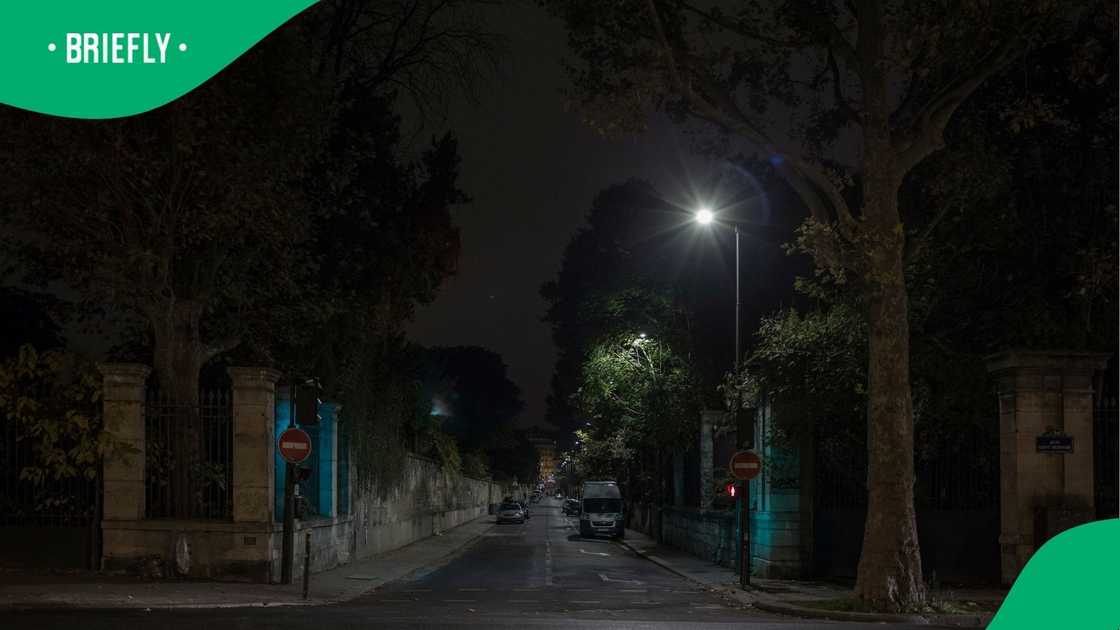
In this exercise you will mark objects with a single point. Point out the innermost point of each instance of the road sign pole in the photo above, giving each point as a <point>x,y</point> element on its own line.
<point>744,466</point>
<point>287,541</point>
<point>739,532</point>
<point>745,545</point>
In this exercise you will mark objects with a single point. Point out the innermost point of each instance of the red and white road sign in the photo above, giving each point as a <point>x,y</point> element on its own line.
<point>745,465</point>
<point>295,445</point>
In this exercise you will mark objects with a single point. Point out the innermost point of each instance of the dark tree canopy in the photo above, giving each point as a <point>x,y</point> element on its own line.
<point>471,396</point>
<point>28,319</point>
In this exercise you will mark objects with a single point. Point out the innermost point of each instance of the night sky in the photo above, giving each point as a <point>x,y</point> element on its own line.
<point>532,170</point>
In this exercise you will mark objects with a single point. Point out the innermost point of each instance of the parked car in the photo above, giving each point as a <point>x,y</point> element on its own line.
<point>511,513</point>
<point>601,510</point>
<point>571,507</point>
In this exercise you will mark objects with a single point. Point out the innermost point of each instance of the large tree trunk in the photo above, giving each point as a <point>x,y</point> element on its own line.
<point>178,357</point>
<point>178,350</point>
<point>890,566</point>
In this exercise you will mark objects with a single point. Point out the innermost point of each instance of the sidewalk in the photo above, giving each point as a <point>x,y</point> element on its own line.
<point>340,584</point>
<point>792,597</point>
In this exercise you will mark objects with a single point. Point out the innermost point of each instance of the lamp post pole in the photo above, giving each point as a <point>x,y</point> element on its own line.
<point>744,430</point>
<point>738,346</point>
<point>745,496</point>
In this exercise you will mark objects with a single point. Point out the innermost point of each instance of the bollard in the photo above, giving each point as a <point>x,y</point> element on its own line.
<point>306,563</point>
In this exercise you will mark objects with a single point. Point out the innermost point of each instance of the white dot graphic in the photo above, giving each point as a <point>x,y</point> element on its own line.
<point>51,47</point>
<point>182,48</point>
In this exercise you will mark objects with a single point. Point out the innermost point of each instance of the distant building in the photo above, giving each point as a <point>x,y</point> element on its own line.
<point>547,459</point>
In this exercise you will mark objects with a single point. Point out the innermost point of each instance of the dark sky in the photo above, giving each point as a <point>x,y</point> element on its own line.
<point>532,170</point>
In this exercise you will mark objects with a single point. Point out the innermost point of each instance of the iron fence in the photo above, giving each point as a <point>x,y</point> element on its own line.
<point>962,472</point>
<point>51,502</point>
<point>189,471</point>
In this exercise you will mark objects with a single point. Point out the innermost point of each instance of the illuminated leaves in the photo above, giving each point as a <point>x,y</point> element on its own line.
<point>53,402</point>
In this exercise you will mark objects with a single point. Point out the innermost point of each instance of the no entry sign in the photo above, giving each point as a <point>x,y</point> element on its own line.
<point>295,445</point>
<point>745,465</point>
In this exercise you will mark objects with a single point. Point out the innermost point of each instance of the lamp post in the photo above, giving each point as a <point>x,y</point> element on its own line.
<point>705,216</point>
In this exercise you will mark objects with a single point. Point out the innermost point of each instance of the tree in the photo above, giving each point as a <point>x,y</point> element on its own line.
<point>52,402</point>
<point>889,75</point>
<point>194,217</point>
<point>640,397</point>
<point>259,214</point>
<point>478,405</point>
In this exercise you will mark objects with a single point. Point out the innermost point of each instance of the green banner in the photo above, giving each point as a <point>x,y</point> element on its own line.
<point>1070,582</point>
<point>89,59</point>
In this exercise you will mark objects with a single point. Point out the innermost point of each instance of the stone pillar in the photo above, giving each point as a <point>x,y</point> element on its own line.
<point>122,403</point>
<point>254,468</point>
<point>1042,493</point>
<point>708,420</point>
<point>776,517</point>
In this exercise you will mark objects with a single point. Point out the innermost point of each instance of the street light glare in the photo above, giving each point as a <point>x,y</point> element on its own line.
<point>704,216</point>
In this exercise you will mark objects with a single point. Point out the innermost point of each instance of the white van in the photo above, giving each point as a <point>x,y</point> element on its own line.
<point>601,510</point>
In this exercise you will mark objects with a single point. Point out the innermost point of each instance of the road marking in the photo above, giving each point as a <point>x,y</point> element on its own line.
<point>578,590</point>
<point>610,579</point>
<point>585,601</point>
<point>633,590</point>
<point>594,553</point>
<point>475,590</point>
<point>524,601</point>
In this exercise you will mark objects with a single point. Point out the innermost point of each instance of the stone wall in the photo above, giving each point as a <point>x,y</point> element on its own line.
<point>706,534</point>
<point>424,501</point>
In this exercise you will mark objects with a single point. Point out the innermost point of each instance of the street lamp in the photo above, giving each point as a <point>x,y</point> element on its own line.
<point>705,216</point>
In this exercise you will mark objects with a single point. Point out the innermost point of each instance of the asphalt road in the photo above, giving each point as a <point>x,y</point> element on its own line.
<point>539,575</point>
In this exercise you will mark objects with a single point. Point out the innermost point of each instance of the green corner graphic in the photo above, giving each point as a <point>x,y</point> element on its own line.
<point>1071,582</point>
<point>84,59</point>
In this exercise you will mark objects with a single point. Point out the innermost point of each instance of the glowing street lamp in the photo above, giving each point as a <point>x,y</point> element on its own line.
<point>704,216</point>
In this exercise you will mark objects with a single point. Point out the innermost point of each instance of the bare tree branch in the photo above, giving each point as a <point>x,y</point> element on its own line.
<point>926,134</point>
<point>846,108</point>
<point>824,201</point>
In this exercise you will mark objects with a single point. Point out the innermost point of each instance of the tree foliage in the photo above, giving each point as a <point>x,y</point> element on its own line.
<point>470,398</point>
<point>273,215</point>
<point>53,402</point>
<point>639,397</point>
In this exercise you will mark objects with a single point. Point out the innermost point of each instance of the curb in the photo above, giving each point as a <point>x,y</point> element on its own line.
<point>284,603</point>
<point>756,600</point>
